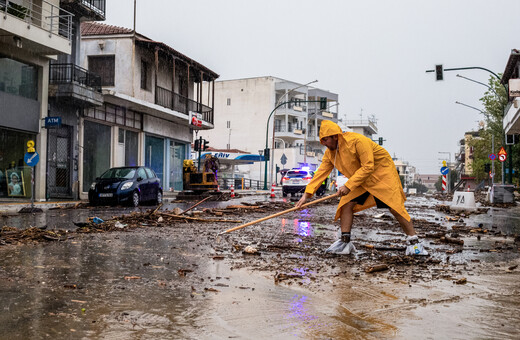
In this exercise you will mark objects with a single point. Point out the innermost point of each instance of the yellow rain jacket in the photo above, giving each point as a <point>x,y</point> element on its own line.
<point>367,166</point>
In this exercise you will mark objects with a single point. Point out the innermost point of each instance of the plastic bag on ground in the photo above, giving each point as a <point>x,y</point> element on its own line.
<point>342,248</point>
<point>414,246</point>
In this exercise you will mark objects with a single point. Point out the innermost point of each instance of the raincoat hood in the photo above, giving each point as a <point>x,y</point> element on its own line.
<point>329,128</point>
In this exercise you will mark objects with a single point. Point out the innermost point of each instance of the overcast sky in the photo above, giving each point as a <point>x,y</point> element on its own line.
<point>372,53</point>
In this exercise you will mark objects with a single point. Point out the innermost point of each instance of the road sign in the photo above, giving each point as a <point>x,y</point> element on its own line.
<point>283,159</point>
<point>502,158</point>
<point>31,158</point>
<point>52,122</point>
<point>445,170</point>
<point>502,152</point>
<point>492,156</point>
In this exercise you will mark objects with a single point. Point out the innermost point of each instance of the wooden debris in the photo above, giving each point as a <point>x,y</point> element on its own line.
<point>447,239</point>
<point>376,268</point>
<point>197,219</point>
<point>461,281</point>
<point>182,272</point>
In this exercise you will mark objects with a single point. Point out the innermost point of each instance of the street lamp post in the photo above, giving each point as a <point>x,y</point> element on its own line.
<point>510,177</point>
<point>492,145</point>
<point>267,131</point>
<point>279,100</point>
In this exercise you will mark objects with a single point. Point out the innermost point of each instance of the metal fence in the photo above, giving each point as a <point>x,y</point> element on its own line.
<point>182,104</point>
<point>240,183</point>
<point>42,14</point>
<point>70,73</point>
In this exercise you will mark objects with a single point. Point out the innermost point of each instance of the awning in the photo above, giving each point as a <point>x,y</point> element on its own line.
<point>233,157</point>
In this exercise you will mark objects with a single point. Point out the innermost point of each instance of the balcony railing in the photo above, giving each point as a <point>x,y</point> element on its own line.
<point>70,73</point>
<point>97,6</point>
<point>42,14</point>
<point>182,104</point>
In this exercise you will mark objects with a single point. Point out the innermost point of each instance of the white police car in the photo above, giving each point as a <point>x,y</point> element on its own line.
<point>295,180</point>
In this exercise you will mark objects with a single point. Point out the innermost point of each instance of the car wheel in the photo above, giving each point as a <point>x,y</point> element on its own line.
<point>92,203</point>
<point>158,199</point>
<point>135,199</point>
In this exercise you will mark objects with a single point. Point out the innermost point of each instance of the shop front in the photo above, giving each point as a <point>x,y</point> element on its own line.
<point>15,175</point>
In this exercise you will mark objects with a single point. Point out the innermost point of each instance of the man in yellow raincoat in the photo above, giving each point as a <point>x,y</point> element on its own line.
<point>372,180</point>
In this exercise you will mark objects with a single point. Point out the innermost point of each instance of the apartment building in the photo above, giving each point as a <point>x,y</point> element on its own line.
<point>31,33</point>
<point>150,92</point>
<point>72,90</point>
<point>282,114</point>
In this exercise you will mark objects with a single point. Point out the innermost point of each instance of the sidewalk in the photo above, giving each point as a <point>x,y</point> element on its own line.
<point>14,205</point>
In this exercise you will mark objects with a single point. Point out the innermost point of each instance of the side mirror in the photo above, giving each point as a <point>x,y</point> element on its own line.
<point>98,178</point>
<point>139,179</point>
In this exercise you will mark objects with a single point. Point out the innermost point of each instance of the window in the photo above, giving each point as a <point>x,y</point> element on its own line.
<point>229,102</point>
<point>141,173</point>
<point>145,76</point>
<point>228,124</point>
<point>103,66</point>
<point>150,173</point>
<point>18,78</point>
<point>121,137</point>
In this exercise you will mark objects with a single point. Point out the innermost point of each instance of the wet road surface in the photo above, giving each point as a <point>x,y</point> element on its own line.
<point>179,282</point>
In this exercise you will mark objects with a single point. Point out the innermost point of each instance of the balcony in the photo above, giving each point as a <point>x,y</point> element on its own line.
<point>182,104</point>
<point>72,83</point>
<point>93,10</point>
<point>39,27</point>
<point>291,109</point>
<point>289,132</point>
<point>322,114</point>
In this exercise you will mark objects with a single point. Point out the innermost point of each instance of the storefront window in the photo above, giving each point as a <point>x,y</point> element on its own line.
<point>154,155</point>
<point>131,147</point>
<point>18,78</point>
<point>15,175</point>
<point>177,156</point>
<point>96,156</point>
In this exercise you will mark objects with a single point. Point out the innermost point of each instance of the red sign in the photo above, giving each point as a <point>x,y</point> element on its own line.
<point>502,152</point>
<point>502,158</point>
<point>195,121</point>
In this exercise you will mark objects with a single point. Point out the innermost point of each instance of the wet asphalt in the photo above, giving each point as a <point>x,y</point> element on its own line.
<point>154,283</point>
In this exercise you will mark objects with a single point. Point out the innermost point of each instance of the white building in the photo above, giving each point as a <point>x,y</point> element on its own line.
<point>244,107</point>
<point>31,33</point>
<point>150,91</point>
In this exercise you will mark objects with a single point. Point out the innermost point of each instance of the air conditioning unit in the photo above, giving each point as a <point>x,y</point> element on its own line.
<point>298,131</point>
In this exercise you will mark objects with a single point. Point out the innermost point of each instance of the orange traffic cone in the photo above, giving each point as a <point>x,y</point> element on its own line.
<point>232,191</point>
<point>272,191</point>
<point>468,187</point>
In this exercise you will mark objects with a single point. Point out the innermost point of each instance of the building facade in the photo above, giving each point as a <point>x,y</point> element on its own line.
<point>283,114</point>
<point>150,94</point>
<point>31,34</point>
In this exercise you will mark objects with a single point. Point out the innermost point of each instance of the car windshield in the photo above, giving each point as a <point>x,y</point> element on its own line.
<point>127,173</point>
<point>297,174</point>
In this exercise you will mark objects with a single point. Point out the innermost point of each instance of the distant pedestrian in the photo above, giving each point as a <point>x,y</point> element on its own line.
<point>372,181</point>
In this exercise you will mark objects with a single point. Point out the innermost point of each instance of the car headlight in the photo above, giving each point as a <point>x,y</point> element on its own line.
<point>93,186</point>
<point>127,185</point>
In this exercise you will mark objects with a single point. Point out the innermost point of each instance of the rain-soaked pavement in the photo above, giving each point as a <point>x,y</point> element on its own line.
<point>176,279</point>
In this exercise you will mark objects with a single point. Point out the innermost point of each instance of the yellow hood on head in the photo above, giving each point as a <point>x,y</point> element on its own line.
<point>329,128</point>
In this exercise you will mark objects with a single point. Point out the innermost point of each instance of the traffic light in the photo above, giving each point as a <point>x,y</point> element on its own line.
<point>205,145</point>
<point>267,152</point>
<point>323,103</point>
<point>438,72</point>
<point>196,145</point>
<point>487,167</point>
<point>380,140</point>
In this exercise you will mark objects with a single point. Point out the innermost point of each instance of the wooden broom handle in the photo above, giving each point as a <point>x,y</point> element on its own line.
<point>278,214</point>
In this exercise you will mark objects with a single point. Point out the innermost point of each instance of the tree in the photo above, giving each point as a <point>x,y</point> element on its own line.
<point>494,102</point>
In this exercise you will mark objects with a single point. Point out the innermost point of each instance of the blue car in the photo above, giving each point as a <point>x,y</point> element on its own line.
<point>126,185</point>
